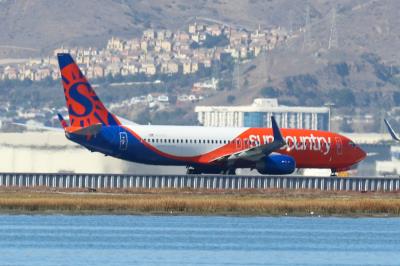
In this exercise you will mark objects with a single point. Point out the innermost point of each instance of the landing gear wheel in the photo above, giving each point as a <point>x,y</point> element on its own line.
<point>231,172</point>
<point>190,171</point>
<point>333,172</point>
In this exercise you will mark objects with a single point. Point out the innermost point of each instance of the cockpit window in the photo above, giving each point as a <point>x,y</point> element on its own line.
<point>352,144</point>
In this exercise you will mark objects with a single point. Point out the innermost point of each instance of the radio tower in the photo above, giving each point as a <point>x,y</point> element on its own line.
<point>307,28</point>
<point>333,38</point>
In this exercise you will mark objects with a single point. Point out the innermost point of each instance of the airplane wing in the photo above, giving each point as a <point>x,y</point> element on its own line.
<point>391,131</point>
<point>257,152</point>
<point>125,121</point>
<point>37,127</point>
<point>44,128</point>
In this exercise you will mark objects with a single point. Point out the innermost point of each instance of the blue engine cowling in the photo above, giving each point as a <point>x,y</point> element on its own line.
<point>276,164</point>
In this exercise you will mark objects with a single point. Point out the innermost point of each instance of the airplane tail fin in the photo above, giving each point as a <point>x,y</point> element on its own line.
<point>84,106</point>
<point>391,131</point>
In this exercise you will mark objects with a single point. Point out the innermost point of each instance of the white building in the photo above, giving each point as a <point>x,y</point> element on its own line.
<point>52,152</point>
<point>259,115</point>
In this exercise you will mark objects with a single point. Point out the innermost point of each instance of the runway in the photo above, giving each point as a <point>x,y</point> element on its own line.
<point>201,182</point>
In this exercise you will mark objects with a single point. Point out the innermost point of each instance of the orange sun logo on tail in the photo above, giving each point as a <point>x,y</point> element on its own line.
<point>84,107</point>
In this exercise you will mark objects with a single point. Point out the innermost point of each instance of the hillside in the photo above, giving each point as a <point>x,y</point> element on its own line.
<point>361,71</point>
<point>361,25</point>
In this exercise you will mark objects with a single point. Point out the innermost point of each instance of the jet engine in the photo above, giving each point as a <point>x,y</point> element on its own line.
<point>276,164</point>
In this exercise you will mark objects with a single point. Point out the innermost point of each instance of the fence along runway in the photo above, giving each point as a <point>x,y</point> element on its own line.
<point>212,182</point>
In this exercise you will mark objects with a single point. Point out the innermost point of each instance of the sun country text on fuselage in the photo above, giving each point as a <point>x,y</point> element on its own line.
<point>201,149</point>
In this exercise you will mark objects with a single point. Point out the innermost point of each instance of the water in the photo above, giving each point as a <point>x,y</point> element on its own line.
<point>195,240</point>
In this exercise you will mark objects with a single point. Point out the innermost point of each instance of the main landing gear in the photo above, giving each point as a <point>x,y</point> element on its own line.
<point>191,171</point>
<point>231,171</point>
<point>333,172</point>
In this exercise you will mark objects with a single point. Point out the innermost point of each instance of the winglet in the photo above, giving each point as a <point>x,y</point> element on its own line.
<point>276,131</point>
<point>391,131</point>
<point>62,121</point>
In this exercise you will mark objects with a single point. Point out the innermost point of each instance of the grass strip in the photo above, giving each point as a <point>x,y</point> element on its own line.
<point>200,204</point>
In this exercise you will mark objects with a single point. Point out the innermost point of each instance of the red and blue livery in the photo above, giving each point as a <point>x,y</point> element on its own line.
<point>201,149</point>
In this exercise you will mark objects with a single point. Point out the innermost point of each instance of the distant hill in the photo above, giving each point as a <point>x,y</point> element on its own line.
<point>362,70</point>
<point>361,25</point>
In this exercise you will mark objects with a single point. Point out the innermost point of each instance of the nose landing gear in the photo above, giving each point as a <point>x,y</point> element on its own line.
<point>333,172</point>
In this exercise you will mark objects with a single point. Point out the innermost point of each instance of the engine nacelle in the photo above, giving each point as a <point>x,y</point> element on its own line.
<point>276,164</point>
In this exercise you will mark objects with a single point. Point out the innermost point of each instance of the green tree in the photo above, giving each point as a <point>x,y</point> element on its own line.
<point>342,97</point>
<point>269,92</point>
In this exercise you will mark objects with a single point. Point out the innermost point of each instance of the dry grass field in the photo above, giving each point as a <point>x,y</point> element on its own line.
<point>186,202</point>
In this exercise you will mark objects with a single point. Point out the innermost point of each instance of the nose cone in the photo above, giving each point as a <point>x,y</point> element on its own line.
<point>359,154</point>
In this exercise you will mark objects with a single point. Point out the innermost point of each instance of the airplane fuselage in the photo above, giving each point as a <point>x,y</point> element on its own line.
<point>201,149</point>
<point>195,145</point>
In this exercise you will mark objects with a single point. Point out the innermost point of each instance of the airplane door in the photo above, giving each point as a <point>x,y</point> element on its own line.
<point>339,146</point>
<point>123,141</point>
<point>238,142</point>
<point>246,143</point>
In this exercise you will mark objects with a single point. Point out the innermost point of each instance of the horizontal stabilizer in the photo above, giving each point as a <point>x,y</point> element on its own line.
<point>88,131</point>
<point>62,121</point>
<point>391,131</point>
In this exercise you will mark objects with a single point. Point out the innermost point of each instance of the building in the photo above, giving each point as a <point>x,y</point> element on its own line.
<point>258,115</point>
<point>207,85</point>
<point>52,152</point>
